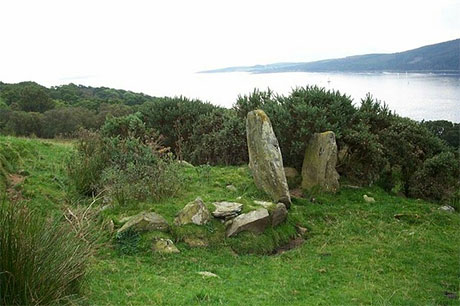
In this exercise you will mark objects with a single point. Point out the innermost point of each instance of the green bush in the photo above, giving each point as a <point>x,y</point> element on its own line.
<point>438,178</point>
<point>174,119</point>
<point>66,121</point>
<point>126,160</point>
<point>41,261</point>
<point>218,138</point>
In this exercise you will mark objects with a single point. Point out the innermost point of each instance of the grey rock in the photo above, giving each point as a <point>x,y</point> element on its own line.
<point>231,188</point>
<point>207,274</point>
<point>368,199</point>
<point>145,221</point>
<point>194,212</point>
<point>265,160</point>
<point>279,214</point>
<point>227,210</point>
<point>447,208</point>
<point>185,163</point>
<point>164,246</point>
<point>290,172</point>
<point>255,221</point>
<point>318,167</point>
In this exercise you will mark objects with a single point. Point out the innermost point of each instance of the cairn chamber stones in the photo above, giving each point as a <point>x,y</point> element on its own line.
<point>318,167</point>
<point>265,160</point>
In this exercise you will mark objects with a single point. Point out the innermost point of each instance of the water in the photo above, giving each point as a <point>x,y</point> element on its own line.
<point>417,96</point>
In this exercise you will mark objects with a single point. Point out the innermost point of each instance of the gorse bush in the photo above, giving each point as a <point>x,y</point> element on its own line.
<point>41,261</point>
<point>126,160</point>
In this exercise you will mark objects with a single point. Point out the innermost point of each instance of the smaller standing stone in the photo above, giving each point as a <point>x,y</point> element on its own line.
<point>194,212</point>
<point>164,246</point>
<point>318,167</point>
<point>227,210</point>
<point>255,221</point>
<point>279,214</point>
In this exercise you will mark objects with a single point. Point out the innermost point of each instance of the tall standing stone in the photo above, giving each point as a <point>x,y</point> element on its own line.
<point>318,167</point>
<point>265,160</point>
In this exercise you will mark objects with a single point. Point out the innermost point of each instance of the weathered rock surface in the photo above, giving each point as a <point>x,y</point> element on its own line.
<point>368,199</point>
<point>194,212</point>
<point>227,210</point>
<point>447,208</point>
<point>279,214</point>
<point>255,221</point>
<point>318,167</point>
<point>265,160</point>
<point>145,221</point>
<point>164,246</point>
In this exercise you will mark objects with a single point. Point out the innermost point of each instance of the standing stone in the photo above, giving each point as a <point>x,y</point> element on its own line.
<point>318,167</point>
<point>265,160</point>
<point>194,212</point>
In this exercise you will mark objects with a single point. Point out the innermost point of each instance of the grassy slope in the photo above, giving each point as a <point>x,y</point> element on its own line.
<point>357,253</point>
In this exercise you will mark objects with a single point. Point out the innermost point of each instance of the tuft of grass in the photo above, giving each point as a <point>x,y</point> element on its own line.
<point>41,261</point>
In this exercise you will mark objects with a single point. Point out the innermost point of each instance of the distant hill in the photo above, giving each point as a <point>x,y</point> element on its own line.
<point>442,57</point>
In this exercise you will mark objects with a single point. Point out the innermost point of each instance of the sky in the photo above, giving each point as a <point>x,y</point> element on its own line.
<point>54,42</point>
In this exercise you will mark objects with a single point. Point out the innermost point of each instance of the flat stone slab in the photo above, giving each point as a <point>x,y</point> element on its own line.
<point>227,210</point>
<point>144,222</point>
<point>255,221</point>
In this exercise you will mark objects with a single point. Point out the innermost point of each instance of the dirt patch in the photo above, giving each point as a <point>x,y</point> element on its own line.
<point>13,180</point>
<point>294,243</point>
<point>296,193</point>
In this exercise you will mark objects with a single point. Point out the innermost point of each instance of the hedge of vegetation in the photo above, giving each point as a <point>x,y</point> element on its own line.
<point>418,159</point>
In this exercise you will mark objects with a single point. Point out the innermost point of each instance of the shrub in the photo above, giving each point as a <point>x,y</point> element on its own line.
<point>437,178</point>
<point>174,119</point>
<point>66,121</point>
<point>41,261</point>
<point>218,138</point>
<point>127,160</point>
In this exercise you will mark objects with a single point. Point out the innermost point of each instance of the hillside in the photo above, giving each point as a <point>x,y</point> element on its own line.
<point>442,57</point>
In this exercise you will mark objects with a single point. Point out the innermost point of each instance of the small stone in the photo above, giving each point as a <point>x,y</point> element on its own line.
<point>164,246</point>
<point>145,221</point>
<point>368,199</point>
<point>255,221</point>
<point>231,188</point>
<point>227,210</point>
<point>447,208</point>
<point>185,164</point>
<point>290,172</point>
<point>207,274</point>
<point>194,212</point>
<point>265,204</point>
<point>279,214</point>
<point>301,230</point>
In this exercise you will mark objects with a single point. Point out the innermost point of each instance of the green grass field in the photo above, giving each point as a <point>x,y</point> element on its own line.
<point>396,251</point>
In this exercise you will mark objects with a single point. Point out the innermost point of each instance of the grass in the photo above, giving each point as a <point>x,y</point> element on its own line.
<point>395,251</point>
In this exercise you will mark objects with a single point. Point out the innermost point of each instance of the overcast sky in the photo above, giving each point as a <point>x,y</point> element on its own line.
<point>71,40</point>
